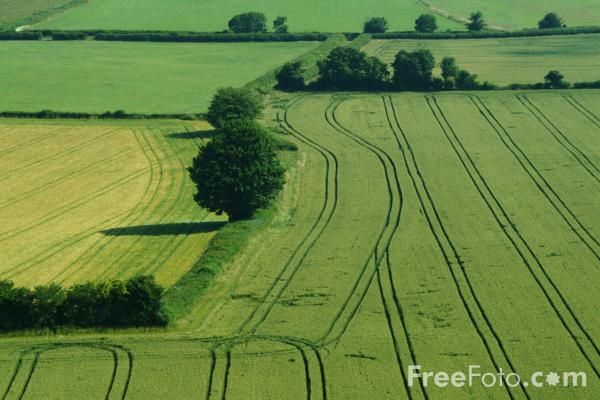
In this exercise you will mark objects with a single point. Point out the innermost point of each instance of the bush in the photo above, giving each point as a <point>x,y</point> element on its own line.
<point>290,77</point>
<point>466,81</point>
<point>476,22</point>
<point>133,303</point>
<point>238,171</point>
<point>413,70</point>
<point>250,22</point>
<point>376,25</point>
<point>426,23</point>
<point>346,68</point>
<point>551,21</point>
<point>230,104</point>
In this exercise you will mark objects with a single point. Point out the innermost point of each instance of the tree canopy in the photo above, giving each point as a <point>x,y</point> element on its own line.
<point>413,70</point>
<point>237,172</point>
<point>376,25</point>
<point>551,21</point>
<point>231,104</point>
<point>290,77</point>
<point>250,22</point>
<point>280,25</point>
<point>346,68</point>
<point>476,22</point>
<point>426,23</point>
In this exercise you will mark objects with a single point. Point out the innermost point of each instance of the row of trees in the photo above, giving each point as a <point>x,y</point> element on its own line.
<point>346,68</point>
<point>427,23</point>
<point>132,303</point>
<point>238,171</point>
<point>256,22</point>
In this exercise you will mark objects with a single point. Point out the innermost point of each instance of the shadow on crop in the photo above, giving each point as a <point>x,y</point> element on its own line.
<point>192,135</point>
<point>165,229</point>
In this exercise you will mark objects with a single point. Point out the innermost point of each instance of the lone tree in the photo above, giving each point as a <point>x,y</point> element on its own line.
<point>238,171</point>
<point>230,104</point>
<point>476,22</point>
<point>555,80</point>
<point>346,68</point>
<point>413,70</point>
<point>551,21</point>
<point>291,77</point>
<point>376,25</point>
<point>280,25</point>
<point>250,22</point>
<point>426,23</point>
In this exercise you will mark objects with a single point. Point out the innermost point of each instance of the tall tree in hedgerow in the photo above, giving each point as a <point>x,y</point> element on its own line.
<point>230,104</point>
<point>280,25</point>
<point>250,22</point>
<point>551,21</point>
<point>476,22</point>
<point>346,68</point>
<point>413,70</point>
<point>426,23</point>
<point>238,172</point>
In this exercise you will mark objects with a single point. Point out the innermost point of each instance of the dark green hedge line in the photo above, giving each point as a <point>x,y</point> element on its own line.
<point>211,37</point>
<point>488,34</point>
<point>161,36</point>
<point>136,302</point>
<point>119,114</point>
<point>12,35</point>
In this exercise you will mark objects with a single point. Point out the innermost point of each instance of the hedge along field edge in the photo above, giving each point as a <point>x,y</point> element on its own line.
<point>180,298</point>
<point>187,36</point>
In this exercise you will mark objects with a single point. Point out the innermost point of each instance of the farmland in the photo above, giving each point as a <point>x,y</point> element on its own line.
<point>99,201</point>
<point>443,230</point>
<point>517,14</point>
<point>92,76</point>
<point>213,15</point>
<point>513,60</point>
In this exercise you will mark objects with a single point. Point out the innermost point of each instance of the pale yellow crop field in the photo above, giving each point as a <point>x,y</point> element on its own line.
<point>98,201</point>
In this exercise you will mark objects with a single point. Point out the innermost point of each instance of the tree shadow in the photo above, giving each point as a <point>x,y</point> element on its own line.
<point>173,229</point>
<point>192,135</point>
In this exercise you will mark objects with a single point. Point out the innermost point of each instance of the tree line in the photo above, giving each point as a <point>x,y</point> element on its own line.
<point>135,302</point>
<point>427,23</point>
<point>346,68</point>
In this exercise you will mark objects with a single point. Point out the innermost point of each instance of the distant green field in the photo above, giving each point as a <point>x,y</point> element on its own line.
<point>212,15</point>
<point>516,14</point>
<point>136,77</point>
<point>12,11</point>
<point>513,60</point>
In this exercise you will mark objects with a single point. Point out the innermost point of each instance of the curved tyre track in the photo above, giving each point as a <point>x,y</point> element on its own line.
<point>475,311</point>
<point>554,297</point>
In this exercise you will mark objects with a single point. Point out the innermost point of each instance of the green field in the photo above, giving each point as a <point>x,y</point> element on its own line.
<point>137,77</point>
<point>99,201</point>
<point>442,230</point>
<point>518,14</point>
<point>213,15</point>
<point>512,60</point>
